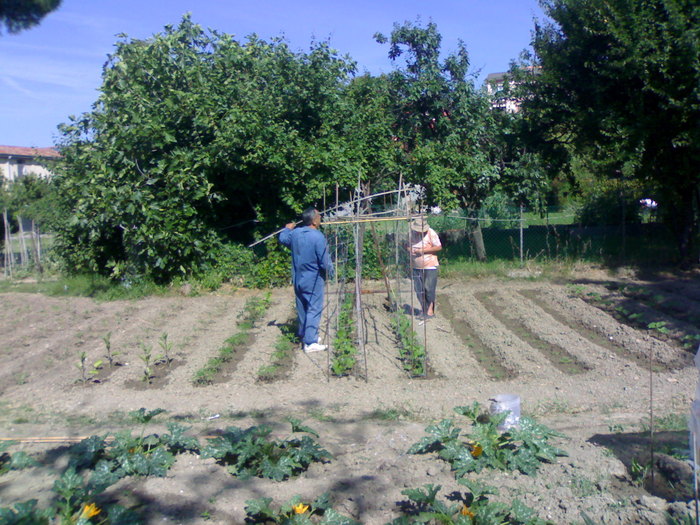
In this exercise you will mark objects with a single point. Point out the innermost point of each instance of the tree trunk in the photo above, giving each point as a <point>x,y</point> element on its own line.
<point>477,239</point>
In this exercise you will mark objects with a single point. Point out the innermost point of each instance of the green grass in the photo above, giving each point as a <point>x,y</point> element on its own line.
<point>95,286</point>
<point>391,414</point>
<point>669,422</point>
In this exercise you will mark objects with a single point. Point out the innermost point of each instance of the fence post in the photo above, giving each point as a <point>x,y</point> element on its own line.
<point>521,234</point>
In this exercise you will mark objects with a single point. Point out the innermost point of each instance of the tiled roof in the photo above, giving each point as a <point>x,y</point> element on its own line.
<point>29,152</point>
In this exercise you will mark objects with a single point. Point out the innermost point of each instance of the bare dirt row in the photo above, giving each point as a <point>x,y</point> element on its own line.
<point>575,367</point>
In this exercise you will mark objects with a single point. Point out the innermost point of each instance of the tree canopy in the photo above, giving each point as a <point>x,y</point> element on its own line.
<point>619,85</point>
<point>443,124</point>
<point>193,134</point>
<point>18,15</point>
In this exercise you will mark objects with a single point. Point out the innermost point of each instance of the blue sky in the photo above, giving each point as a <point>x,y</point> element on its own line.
<point>53,70</point>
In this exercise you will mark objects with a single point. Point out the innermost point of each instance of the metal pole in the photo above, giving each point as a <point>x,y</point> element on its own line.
<point>521,234</point>
<point>651,413</point>
<point>425,314</point>
<point>326,301</point>
<point>695,477</point>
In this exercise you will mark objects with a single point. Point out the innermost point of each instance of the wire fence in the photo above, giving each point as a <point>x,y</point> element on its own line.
<point>526,236</point>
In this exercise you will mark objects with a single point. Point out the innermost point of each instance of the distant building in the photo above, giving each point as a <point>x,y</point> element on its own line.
<point>17,162</point>
<point>495,83</point>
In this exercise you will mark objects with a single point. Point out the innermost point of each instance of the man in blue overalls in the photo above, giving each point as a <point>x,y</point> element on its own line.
<point>310,265</point>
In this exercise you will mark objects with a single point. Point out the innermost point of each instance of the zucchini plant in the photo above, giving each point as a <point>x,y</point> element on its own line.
<point>523,448</point>
<point>295,511</point>
<point>464,508</point>
<point>251,452</point>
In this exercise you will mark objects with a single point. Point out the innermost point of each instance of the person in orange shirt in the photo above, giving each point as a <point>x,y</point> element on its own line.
<point>424,244</point>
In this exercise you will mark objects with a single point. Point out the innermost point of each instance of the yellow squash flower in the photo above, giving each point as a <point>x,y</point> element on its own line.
<point>300,508</point>
<point>466,511</point>
<point>89,511</point>
<point>477,450</point>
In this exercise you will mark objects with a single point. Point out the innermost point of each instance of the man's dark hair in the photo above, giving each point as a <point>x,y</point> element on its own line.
<point>308,216</point>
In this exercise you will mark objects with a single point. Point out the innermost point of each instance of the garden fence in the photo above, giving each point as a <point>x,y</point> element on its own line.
<point>554,235</point>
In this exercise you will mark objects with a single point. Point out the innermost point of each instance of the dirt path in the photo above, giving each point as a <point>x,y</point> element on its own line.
<point>574,366</point>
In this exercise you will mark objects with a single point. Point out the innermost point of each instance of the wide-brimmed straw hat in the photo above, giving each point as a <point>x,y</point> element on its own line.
<point>420,225</point>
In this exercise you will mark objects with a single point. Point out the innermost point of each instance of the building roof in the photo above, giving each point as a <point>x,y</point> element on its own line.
<point>495,77</point>
<point>21,151</point>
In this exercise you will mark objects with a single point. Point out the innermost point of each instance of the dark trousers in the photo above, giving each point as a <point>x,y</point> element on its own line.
<point>425,283</point>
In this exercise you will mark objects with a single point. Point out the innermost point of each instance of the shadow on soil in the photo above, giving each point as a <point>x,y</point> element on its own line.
<point>667,476</point>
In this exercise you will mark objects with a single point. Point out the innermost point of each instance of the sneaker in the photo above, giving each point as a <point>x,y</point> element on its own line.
<point>314,347</point>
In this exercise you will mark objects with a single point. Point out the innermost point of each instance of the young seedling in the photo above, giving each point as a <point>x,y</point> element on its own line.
<point>109,354</point>
<point>659,326</point>
<point>147,358</point>
<point>86,372</point>
<point>167,347</point>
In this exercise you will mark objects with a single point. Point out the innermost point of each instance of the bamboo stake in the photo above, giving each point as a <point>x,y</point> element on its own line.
<point>36,249</point>
<point>24,254</point>
<point>9,255</point>
<point>368,220</point>
<point>358,279</point>
<point>326,304</point>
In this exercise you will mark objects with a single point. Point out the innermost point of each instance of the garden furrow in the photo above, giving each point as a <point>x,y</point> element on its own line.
<point>182,319</point>
<point>559,335</point>
<point>640,344</point>
<point>557,355</point>
<point>472,344</point>
<point>198,332</point>
<point>76,325</point>
<point>266,334</point>
<point>515,354</point>
<point>688,289</point>
<point>578,325</point>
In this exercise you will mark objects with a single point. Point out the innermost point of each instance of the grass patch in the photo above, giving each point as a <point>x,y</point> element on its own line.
<point>669,422</point>
<point>90,285</point>
<point>391,414</point>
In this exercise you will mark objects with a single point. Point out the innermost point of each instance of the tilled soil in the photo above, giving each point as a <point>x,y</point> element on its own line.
<point>575,367</point>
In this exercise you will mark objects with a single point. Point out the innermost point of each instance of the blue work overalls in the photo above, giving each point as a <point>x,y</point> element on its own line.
<point>310,264</point>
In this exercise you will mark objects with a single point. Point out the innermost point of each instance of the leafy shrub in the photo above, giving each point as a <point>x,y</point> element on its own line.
<point>471,508</point>
<point>251,452</point>
<point>605,207</point>
<point>522,448</point>
<point>16,461</point>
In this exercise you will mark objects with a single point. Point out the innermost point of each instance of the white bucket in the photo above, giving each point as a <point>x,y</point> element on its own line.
<point>506,403</point>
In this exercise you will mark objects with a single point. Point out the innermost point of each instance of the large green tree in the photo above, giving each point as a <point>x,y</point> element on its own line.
<point>195,133</point>
<point>444,125</point>
<point>618,84</point>
<point>18,15</point>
